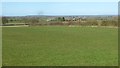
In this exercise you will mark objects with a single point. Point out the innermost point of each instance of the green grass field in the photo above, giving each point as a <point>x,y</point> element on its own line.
<point>60,46</point>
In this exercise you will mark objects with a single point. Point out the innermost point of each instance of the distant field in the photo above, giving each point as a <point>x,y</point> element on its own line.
<point>60,46</point>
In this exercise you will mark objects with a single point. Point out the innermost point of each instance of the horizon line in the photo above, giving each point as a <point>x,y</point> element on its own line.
<point>63,15</point>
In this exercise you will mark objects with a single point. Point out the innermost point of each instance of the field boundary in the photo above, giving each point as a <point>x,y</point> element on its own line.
<point>65,26</point>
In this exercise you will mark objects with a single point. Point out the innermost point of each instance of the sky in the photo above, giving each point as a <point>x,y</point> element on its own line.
<point>59,8</point>
<point>59,0</point>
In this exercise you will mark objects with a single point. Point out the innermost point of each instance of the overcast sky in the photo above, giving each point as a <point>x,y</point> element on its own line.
<point>59,8</point>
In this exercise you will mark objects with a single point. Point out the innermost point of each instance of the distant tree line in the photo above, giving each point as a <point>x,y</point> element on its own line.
<point>36,21</point>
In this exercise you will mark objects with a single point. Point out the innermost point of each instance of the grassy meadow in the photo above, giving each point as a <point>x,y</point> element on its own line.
<point>60,46</point>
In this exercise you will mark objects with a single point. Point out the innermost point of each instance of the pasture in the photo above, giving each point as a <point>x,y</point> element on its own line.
<point>60,46</point>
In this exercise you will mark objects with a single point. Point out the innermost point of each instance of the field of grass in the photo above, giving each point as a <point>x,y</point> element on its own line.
<point>60,46</point>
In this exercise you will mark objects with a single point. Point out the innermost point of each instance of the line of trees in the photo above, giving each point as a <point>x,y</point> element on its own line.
<point>35,21</point>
